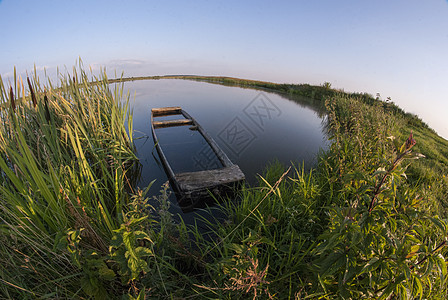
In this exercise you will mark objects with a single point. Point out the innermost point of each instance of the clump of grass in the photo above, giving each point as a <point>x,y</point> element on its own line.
<point>67,162</point>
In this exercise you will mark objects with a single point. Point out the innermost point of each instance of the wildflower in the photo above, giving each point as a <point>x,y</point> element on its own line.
<point>410,142</point>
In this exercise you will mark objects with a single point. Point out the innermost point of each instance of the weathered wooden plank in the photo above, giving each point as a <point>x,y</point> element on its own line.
<point>203,180</point>
<point>166,111</point>
<point>171,123</point>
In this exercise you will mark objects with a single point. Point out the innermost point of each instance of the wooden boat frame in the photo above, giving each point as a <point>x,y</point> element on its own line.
<point>190,187</point>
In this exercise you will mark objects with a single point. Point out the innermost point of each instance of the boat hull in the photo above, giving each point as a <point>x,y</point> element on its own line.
<point>195,188</point>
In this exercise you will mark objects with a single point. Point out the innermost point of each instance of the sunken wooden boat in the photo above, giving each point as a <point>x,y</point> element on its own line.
<point>191,187</point>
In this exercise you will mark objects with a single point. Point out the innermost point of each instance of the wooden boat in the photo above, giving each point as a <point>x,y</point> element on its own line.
<point>191,187</point>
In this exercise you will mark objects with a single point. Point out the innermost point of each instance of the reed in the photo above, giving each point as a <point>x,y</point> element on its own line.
<point>67,164</point>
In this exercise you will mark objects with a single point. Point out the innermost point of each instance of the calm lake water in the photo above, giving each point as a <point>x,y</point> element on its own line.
<point>253,128</point>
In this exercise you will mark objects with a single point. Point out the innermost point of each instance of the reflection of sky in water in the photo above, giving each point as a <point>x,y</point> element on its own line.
<point>252,127</point>
<point>186,150</point>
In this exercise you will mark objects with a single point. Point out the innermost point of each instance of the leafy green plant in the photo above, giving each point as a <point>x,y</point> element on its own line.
<point>382,242</point>
<point>131,250</point>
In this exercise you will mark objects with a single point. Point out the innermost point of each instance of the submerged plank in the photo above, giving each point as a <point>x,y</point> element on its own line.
<point>166,111</point>
<point>171,123</point>
<point>203,180</point>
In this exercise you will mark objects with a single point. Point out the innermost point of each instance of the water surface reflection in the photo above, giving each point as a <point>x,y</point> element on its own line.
<point>253,127</point>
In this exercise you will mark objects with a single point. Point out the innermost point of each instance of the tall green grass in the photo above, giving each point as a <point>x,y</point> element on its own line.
<point>67,163</point>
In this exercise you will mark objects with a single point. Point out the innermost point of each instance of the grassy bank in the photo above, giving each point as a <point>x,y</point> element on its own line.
<point>353,228</point>
<point>67,167</point>
<point>368,222</point>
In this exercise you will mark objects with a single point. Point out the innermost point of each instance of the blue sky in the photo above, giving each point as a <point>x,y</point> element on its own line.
<point>395,48</point>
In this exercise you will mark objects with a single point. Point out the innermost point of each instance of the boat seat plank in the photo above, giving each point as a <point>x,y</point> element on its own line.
<point>193,181</point>
<point>171,123</point>
<point>166,111</point>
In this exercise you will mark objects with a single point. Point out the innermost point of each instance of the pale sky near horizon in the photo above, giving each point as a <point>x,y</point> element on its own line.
<point>397,48</point>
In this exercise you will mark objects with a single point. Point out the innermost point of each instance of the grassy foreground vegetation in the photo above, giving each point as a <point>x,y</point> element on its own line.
<point>368,222</point>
